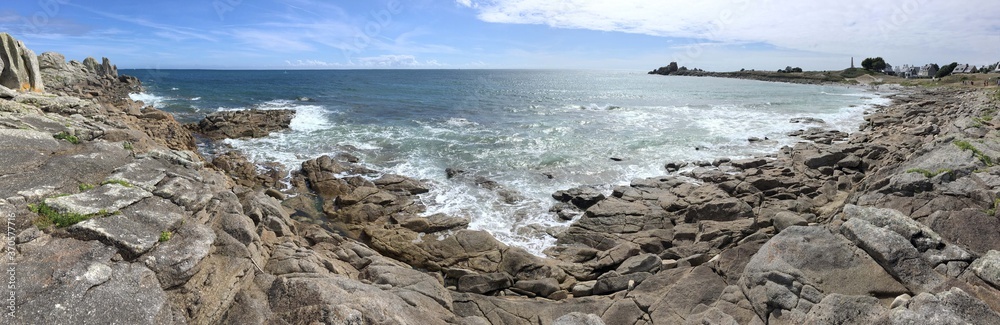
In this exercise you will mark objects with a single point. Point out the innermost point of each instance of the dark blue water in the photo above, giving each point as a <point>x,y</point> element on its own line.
<point>517,127</point>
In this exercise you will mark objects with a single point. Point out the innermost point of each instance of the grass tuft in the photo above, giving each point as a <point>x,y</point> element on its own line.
<point>68,137</point>
<point>117,181</point>
<point>165,235</point>
<point>966,146</point>
<point>50,216</point>
<point>86,187</point>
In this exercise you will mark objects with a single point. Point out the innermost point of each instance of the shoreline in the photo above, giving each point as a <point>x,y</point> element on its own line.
<point>868,227</point>
<point>536,246</point>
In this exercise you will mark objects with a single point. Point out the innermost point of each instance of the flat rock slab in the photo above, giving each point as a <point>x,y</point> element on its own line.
<point>176,260</point>
<point>16,138</point>
<point>137,229</point>
<point>68,281</point>
<point>108,198</point>
<point>144,173</point>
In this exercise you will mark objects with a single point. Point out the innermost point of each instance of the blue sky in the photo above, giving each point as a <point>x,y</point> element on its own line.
<point>465,34</point>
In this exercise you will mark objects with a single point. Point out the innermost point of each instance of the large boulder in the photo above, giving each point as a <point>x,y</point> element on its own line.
<point>798,267</point>
<point>19,66</point>
<point>243,124</point>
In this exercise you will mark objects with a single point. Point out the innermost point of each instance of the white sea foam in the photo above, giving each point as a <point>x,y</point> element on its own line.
<point>149,99</point>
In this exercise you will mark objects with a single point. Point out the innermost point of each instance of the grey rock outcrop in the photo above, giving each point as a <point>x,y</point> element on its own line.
<point>243,124</point>
<point>20,69</point>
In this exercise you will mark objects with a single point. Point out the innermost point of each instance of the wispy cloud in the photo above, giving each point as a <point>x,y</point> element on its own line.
<point>175,33</point>
<point>892,27</point>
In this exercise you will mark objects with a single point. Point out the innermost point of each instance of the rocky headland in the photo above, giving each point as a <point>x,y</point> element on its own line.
<point>114,217</point>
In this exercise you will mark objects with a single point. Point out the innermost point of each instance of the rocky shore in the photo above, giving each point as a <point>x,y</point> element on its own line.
<point>114,217</point>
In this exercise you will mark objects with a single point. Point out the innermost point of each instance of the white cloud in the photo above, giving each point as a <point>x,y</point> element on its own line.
<point>904,29</point>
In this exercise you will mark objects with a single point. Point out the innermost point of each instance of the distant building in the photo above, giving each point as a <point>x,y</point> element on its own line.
<point>996,67</point>
<point>888,70</point>
<point>927,71</point>
<point>965,68</point>
<point>906,71</point>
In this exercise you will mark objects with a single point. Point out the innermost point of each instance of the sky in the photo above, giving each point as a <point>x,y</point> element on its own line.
<point>508,34</point>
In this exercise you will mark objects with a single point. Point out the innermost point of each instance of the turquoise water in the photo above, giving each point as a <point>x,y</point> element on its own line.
<point>518,128</point>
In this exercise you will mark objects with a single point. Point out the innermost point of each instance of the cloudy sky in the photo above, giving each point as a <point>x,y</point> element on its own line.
<point>464,34</point>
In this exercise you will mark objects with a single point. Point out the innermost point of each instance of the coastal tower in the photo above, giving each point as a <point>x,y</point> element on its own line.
<point>852,62</point>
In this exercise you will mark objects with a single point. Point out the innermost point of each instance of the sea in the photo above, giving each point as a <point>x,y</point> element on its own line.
<point>532,132</point>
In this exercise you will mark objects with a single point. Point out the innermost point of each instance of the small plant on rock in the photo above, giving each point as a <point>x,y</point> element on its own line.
<point>86,187</point>
<point>165,235</point>
<point>966,146</point>
<point>117,181</point>
<point>50,216</point>
<point>68,137</point>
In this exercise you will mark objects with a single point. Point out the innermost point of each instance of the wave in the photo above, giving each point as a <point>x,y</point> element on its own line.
<point>149,99</point>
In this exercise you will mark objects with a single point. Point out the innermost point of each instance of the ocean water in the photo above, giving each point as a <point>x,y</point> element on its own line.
<point>533,132</point>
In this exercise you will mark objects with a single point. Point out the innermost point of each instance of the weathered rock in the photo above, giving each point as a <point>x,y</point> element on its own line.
<point>577,318</point>
<point>971,228</point>
<point>582,197</point>
<point>177,259</point>
<point>433,223</point>
<point>67,280</point>
<point>397,183</point>
<point>954,306</point>
<point>923,237</point>
<point>136,229</point>
<point>641,263</point>
<point>719,210</point>
<point>484,283</point>
<point>108,198</point>
<point>340,300</point>
<point>787,219</point>
<point>613,282</point>
<point>20,66</point>
<point>408,279</point>
<point>894,253</point>
<point>988,268</point>
<point>541,287</point>
<point>692,290</point>
<point>244,124</point>
<point>811,256</point>
<point>841,309</point>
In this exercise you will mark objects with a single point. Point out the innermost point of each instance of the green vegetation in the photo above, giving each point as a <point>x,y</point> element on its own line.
<point>946,70</point>
<point>873,64</point>
<point>854,73</point>
<point>117,181</point>
<point>993,211</point>
<point>68,137</point>
<point>86,187</point>
<point>50,216</point>
<point>128,145</point>
<point>928,173</point>
<point>165,235</point>
<point>966,146</point>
